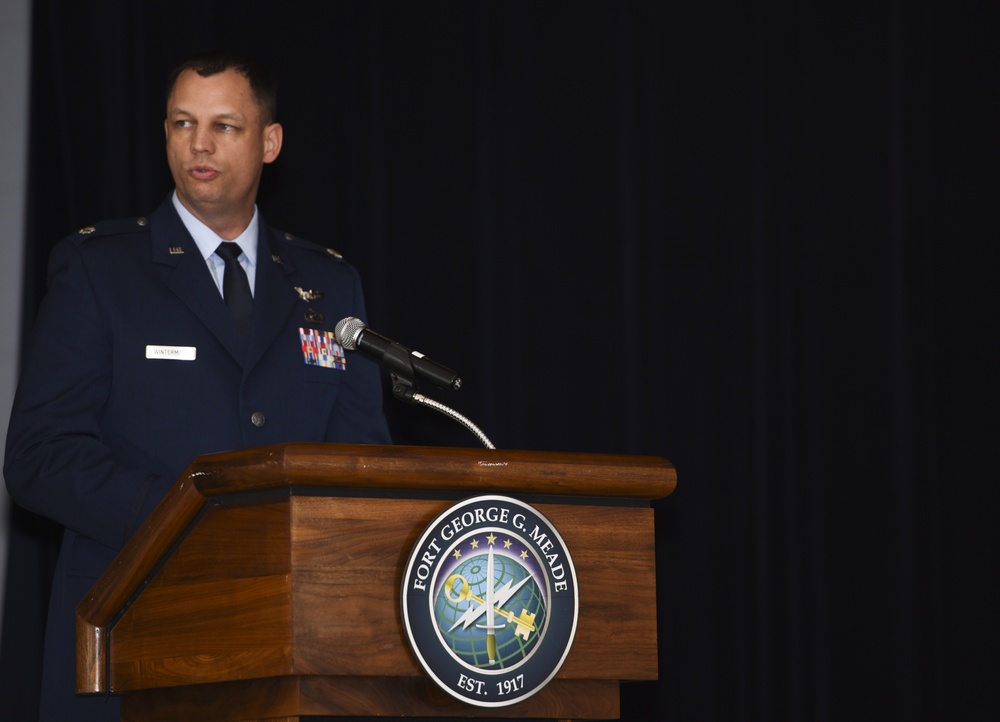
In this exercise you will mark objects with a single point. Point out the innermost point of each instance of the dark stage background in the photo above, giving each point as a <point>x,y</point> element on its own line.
<point>753,238</point>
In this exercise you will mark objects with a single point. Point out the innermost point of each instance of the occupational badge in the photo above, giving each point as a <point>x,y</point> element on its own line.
<point>307,294</point>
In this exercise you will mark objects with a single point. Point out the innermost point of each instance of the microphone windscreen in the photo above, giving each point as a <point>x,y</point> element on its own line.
<point>347,331</point>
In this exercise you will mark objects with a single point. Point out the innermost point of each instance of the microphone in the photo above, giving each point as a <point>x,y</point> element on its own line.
<point>352,334</point>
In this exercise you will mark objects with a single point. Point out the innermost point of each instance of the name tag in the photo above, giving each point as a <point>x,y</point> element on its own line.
<point>172,353</point>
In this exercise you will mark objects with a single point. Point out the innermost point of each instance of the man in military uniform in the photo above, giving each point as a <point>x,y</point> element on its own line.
<point>196,330</point>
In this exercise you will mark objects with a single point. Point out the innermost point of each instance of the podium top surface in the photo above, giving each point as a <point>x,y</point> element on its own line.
<point>430,468</point>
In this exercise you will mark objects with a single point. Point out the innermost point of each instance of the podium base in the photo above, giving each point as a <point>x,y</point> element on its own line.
<point>291,699</point>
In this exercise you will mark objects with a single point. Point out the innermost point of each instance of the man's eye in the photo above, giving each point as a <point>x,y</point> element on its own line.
<point>225,127</point>
<point>183,123</point>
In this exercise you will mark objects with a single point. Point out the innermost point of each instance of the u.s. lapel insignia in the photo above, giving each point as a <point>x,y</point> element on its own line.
<point>175,251</point>
<point>307,294</point>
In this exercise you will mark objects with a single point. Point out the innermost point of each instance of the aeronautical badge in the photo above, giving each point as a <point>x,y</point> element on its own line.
<point>320,348</point>
<point>307,294</point>
<point>490,601</point>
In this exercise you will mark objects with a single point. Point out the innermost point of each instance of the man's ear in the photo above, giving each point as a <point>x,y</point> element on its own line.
<point>272,141</point>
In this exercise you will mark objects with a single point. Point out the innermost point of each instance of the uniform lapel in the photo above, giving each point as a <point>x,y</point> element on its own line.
<point>274,298</point>
<point>189,278</point>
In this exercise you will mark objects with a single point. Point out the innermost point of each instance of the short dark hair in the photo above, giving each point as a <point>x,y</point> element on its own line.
<point>262,85</point>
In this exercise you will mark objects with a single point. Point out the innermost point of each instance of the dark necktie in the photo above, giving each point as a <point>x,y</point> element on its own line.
<point>235,286</point>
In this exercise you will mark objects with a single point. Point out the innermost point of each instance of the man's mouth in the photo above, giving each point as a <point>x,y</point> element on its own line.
<point>201,172</point>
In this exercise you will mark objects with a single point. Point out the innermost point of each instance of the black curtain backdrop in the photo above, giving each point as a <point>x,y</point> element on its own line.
<point>750,237</point>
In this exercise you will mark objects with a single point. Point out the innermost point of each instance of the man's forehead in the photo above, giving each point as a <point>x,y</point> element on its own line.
<point>218,113</point>
<point>228,88</point>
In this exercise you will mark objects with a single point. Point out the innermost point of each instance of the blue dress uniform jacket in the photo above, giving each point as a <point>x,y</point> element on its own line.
<point>137,367</point>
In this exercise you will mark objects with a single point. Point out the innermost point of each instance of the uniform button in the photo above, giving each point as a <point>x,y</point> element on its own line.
<point>257,419</point>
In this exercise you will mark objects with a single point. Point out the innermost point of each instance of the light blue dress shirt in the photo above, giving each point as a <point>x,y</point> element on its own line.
<point>208,240</point>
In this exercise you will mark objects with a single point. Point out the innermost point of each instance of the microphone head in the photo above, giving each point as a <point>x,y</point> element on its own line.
<point>347,331</point>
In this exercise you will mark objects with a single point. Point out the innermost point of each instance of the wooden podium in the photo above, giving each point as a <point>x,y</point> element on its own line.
<point>266,584</point>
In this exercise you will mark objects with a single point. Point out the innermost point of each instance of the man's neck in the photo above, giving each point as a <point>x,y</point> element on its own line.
<point>226,226</point>
<point>203,233</point>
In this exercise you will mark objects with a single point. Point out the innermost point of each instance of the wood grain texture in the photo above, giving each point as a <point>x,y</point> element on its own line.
<point>219,608</point>
<point>615,558</point>
<point>349,554</point>
<point>269,573</point>
<point>314,588</point>
<point>476,471</point>
<point>295,698</point>
<point>126,575</point>
<point>349,559</point>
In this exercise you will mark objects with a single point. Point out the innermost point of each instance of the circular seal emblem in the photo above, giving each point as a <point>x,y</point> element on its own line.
<point>490,601</point>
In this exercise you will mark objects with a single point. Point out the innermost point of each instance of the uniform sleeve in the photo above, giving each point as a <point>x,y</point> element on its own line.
<point>56,462</point>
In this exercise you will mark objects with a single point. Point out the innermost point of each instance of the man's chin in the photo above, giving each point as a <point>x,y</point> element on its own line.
<point>198,199</point>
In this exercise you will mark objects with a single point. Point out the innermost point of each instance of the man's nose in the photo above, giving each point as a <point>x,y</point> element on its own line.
<point>201,140</point>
